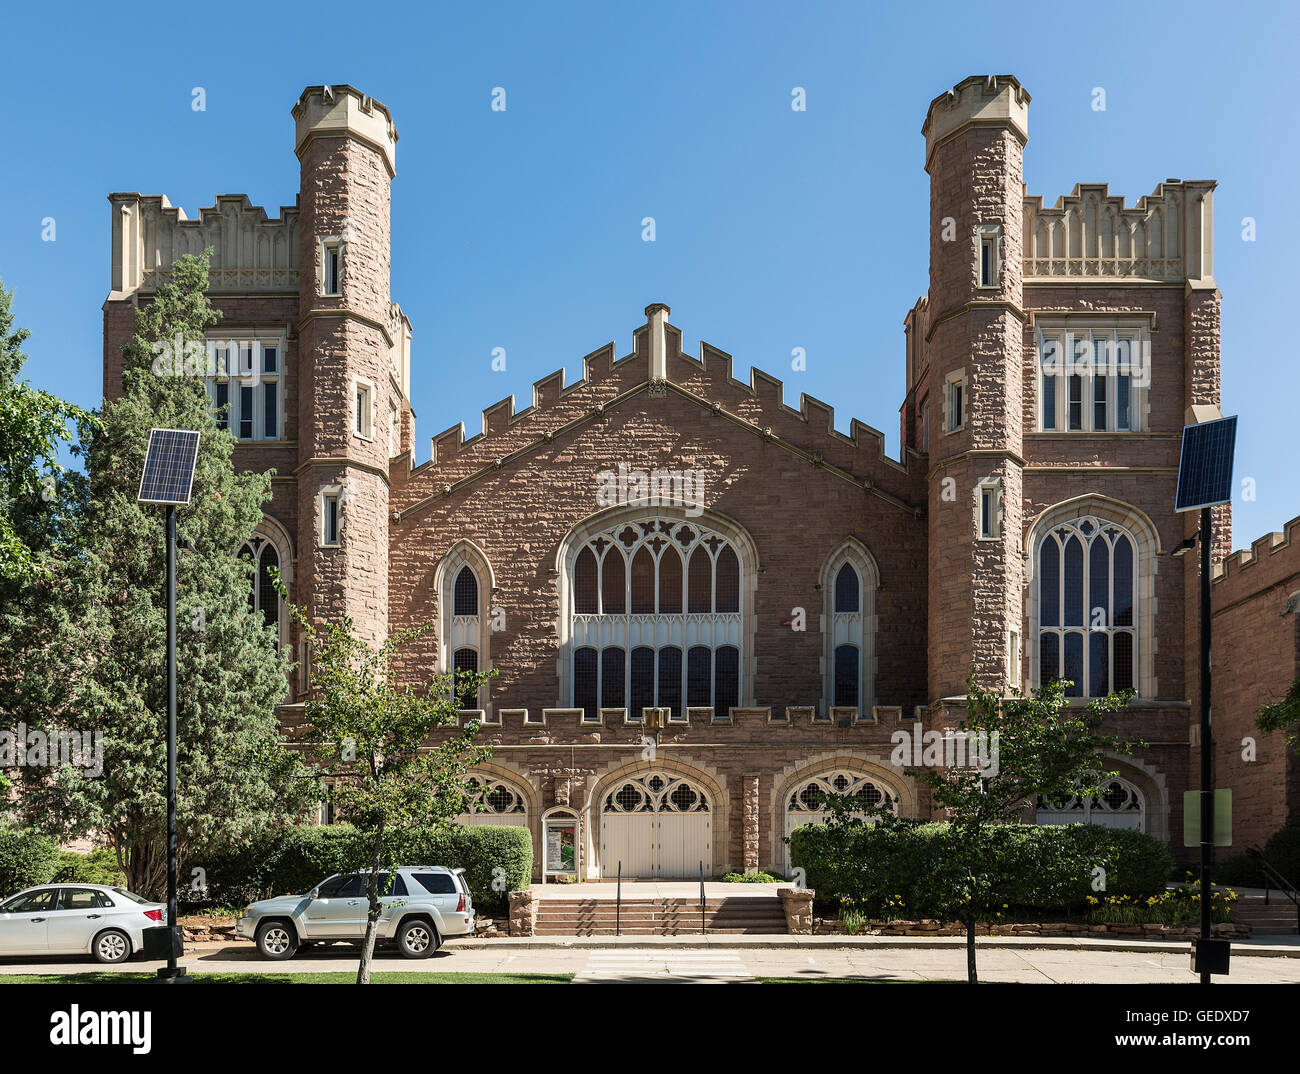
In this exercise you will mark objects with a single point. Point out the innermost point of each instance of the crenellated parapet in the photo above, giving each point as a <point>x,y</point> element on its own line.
<point>251,252</point>
<point>706,382</point>
<point>1166,237</point>
<point>1273,559</point>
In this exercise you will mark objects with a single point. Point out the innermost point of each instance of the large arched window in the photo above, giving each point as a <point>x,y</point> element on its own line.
<point>849,582</point>
<point>464,583</point>
<point>656,610</point>
<point>1119,805</point>
<point>1086,585</point>
<point>263,598</point>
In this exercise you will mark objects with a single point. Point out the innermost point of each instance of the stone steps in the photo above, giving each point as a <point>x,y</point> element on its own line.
<point>659,917</point>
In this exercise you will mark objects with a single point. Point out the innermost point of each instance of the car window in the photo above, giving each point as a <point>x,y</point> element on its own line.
<point>398,888</point>
<point>352,886</point>
<point>437,883</point>
<point>464,884</point>
<point>78,899</point>
<point>132,896</point>
<point>331,888</point>
<point>32,902</point>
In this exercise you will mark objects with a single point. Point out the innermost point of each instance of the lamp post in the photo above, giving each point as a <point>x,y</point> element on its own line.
<point>1205,479</point>
<point>167,479</point>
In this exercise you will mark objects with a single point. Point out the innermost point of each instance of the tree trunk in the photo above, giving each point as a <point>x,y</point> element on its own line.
<point>971,976</point>
<point>372,916</point>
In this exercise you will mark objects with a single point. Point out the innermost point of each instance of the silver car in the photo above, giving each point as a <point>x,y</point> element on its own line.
<point>77,919</point>
<point>423,905</point>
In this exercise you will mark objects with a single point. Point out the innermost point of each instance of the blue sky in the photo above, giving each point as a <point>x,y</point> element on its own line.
<point>775,229</point>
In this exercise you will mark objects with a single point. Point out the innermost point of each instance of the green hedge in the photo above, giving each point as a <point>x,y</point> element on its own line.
<point>96,867</point>
<point>293,860</point>
<point>27,858</point>
<point>1037,868</point>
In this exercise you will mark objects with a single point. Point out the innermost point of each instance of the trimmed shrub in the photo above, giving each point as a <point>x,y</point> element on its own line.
<point>97,867</point>
<point>27,859</point>
<point>1282,851</point>
<point>905,867</point>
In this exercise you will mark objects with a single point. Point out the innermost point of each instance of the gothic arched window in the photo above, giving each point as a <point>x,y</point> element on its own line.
<point>849,580</point>
<point>656,608</point>
<point>1086,588</point>
<point>464,585</point>
<point>262,595</point>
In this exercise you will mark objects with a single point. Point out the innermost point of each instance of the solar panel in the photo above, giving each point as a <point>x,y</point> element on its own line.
<point>169,466</point>
<point>1205,469</point>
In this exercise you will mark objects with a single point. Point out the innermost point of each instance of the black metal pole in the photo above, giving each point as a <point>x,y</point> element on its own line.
<point>1207,751</point>
<point>171,972</point>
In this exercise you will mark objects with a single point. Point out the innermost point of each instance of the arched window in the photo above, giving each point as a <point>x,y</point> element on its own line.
<point>1086,586</point>
<point>464,585</point>
<point>656,607</point>
<point>1119,805</point>
<point>849,581</point>
<point>466,596</point>
<point>262,595</point>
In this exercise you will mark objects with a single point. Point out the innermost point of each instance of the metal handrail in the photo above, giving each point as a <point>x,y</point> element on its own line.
<point>618,903</point>
<point>703,930</point>
<point>1273,878</point>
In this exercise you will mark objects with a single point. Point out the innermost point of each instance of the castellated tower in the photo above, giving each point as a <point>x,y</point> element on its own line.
<point>974,142</point>
<point>346,145</point>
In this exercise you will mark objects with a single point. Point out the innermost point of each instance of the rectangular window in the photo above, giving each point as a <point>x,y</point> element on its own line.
<point>333,268</point>
<point>270,411</point>
<point>954,401</point>
<point>394,432</point>
<point>330,518</point>
<point>988,260</point>
<point>361,418</point>
<point>245,412</point>
<point>1099,387</point>
<point>986,511</point>
<point>222,404</point>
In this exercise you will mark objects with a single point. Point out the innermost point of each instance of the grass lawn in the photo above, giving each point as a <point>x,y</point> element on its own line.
<point>387,977</point>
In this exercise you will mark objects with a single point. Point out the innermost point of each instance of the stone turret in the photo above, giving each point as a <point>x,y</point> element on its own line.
<point>974,141</point>
<point>346,145</point>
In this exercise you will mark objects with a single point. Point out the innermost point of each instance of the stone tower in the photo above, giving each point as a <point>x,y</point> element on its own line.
<point>346,144</point>
<point>974,142</point>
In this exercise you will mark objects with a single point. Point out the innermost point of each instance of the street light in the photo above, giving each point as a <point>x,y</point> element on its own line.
<point>1204,480</point>
<point>167,479</point>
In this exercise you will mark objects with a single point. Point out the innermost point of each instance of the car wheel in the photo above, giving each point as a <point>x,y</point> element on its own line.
<point>418,939</point>
<point>277,940</point>
<point>112,945</point>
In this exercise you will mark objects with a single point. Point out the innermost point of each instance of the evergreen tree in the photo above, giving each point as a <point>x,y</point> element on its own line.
<point>99,665</point>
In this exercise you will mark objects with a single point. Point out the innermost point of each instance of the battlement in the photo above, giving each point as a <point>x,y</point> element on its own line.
<point>707,380</point>
<point>1168,236</point>
<point>1270,560</point>
<point>977,101</point>
<point>251,252</point>
<point>343,110</point>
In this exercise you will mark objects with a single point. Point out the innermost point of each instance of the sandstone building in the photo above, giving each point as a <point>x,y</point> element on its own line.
<point>660,543</point>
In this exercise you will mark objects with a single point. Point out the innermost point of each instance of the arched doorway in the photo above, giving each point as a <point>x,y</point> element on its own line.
<point>657,824</point>
<point>494,801</point>
<point>1119,805</point>
<point>806,801</point>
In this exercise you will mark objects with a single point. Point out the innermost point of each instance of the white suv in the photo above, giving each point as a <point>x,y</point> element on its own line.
<point>423,905</point>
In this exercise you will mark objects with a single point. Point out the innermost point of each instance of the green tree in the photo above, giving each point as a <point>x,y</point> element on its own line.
<point>33,424</point>
<point>1283,716</point>
<point>366,730</point>
<point>1041,745</point>
<point>96,662</point>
